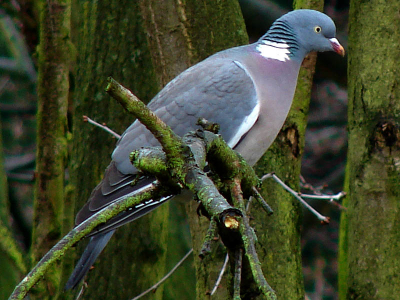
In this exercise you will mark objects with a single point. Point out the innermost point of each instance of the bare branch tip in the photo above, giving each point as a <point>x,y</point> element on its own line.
<point>231,222</point>
<point>326,221</point>
<point>110,82</point>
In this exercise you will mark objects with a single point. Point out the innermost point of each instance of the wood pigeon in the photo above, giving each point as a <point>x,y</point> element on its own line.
<point>247,90</point>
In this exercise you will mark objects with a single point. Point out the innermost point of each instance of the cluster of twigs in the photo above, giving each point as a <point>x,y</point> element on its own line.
<point>179,164</point>
<point>183,161</point>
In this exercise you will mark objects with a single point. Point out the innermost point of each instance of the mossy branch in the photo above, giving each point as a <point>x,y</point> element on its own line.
<point>75,235</point>
<point>170,142</point>
<point>228,165</point>
<point>188,156</point>
<point>185,158</point>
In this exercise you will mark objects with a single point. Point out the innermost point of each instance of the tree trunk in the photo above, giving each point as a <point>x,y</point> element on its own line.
<point>143,45</point>
<point>369,235</point>
<point>53,89</point>
<point>111,41</point>
<point>279,234</point>
<point>205,27</point>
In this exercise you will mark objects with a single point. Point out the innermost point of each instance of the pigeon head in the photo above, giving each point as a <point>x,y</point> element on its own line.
<point>299,32</point>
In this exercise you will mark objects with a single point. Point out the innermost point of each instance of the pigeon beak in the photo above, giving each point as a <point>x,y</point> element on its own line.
<point>337,47</point>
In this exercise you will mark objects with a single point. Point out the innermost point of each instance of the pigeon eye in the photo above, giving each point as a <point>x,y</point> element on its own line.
<point>317,29</point>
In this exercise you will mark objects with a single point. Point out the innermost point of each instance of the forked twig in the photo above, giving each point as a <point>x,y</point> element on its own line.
<point>320,217</point>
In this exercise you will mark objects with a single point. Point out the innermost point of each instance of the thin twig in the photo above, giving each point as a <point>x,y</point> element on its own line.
<point>249,203</point>
<point>248,239</point>
<point>335,197</point>
<point>331,198</point>
<point>305,185</point>
<point>318,195</point>
<point>81,291</point>
<point>104,127</point>
<point>221,274</point>
<point>262,202</point>
<point>208,239</point>
<point>320,217</point>
<point>238,274</point>
<point>154,287</point>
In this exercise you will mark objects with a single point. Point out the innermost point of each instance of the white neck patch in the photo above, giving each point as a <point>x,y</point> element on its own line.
<point>272,50</point>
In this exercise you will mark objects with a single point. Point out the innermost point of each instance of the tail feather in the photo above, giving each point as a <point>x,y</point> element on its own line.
<point>114,186</point>
<point>129,216</point>
<point>92,251</point>
<point>102,234</point>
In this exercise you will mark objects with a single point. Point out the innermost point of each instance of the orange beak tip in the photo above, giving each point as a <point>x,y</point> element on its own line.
<point>337,47</point>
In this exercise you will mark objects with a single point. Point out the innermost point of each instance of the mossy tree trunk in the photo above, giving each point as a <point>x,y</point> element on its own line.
<point>184,34</point>
<point>279,234</point>
<point>369,235</point>
<point>53,89</point>
<point>110,41</point>
<point>142,44</point>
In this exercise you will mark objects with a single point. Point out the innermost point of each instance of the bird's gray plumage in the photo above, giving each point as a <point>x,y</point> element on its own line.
<point>219,87</point>
<point>248,90</point>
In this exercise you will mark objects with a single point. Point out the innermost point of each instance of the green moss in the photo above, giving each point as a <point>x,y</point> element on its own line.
<point>369,247</point>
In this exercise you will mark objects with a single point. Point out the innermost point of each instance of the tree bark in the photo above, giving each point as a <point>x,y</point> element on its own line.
<point>279,234</point>
<point>53,89</point>
<point>369,261</point>
<point>193,31</point>
<point>142,44</point>
<point>111,41</point>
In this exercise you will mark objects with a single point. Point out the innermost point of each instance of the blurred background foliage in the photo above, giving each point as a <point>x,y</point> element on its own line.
<point>323,161</point>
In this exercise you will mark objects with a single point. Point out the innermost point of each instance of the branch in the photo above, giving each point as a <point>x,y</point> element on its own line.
<point>76,235</point>
<point>208,239</point>
<point>188,169</point>
<point>102,126</point>
<point>237,274</point>
<point>169,141</point>
<point>261,201</point>
<point>248,239</point>
<point>185,158</point>
<point>323,219</point>
<point>180,164</point>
